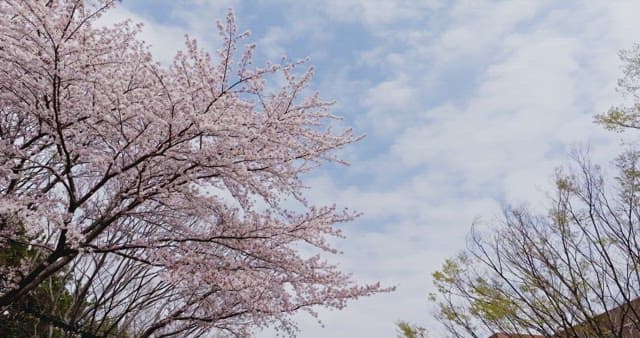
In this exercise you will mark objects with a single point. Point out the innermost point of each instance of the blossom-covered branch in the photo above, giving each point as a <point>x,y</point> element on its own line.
<point>156,192</point>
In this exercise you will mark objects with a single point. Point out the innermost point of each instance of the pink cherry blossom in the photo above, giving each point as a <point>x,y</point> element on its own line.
<point>159,192</point>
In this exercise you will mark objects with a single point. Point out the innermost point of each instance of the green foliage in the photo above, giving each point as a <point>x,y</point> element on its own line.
<point>490,303</point>
<point>618,119</point>
<point>27,317</point>
<point>450,273</point>
<point>486,300</point>
<point>407,330</point>
<point>41,313</point>
<point>12,254</point>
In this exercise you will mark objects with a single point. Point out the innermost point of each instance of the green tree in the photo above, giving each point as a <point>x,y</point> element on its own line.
<point>559,272</point>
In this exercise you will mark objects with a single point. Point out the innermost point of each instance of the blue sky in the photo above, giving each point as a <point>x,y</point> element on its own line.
<point>467,106</point>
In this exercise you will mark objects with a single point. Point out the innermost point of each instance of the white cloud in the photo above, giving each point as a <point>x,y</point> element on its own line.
<point>387,102</point>
<point>465,103</point>
<point>375,12</point>
<point>476,26</point>
<point>541,74</point>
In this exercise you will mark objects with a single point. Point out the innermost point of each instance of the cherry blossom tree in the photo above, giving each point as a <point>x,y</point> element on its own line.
<point>157,194</point>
